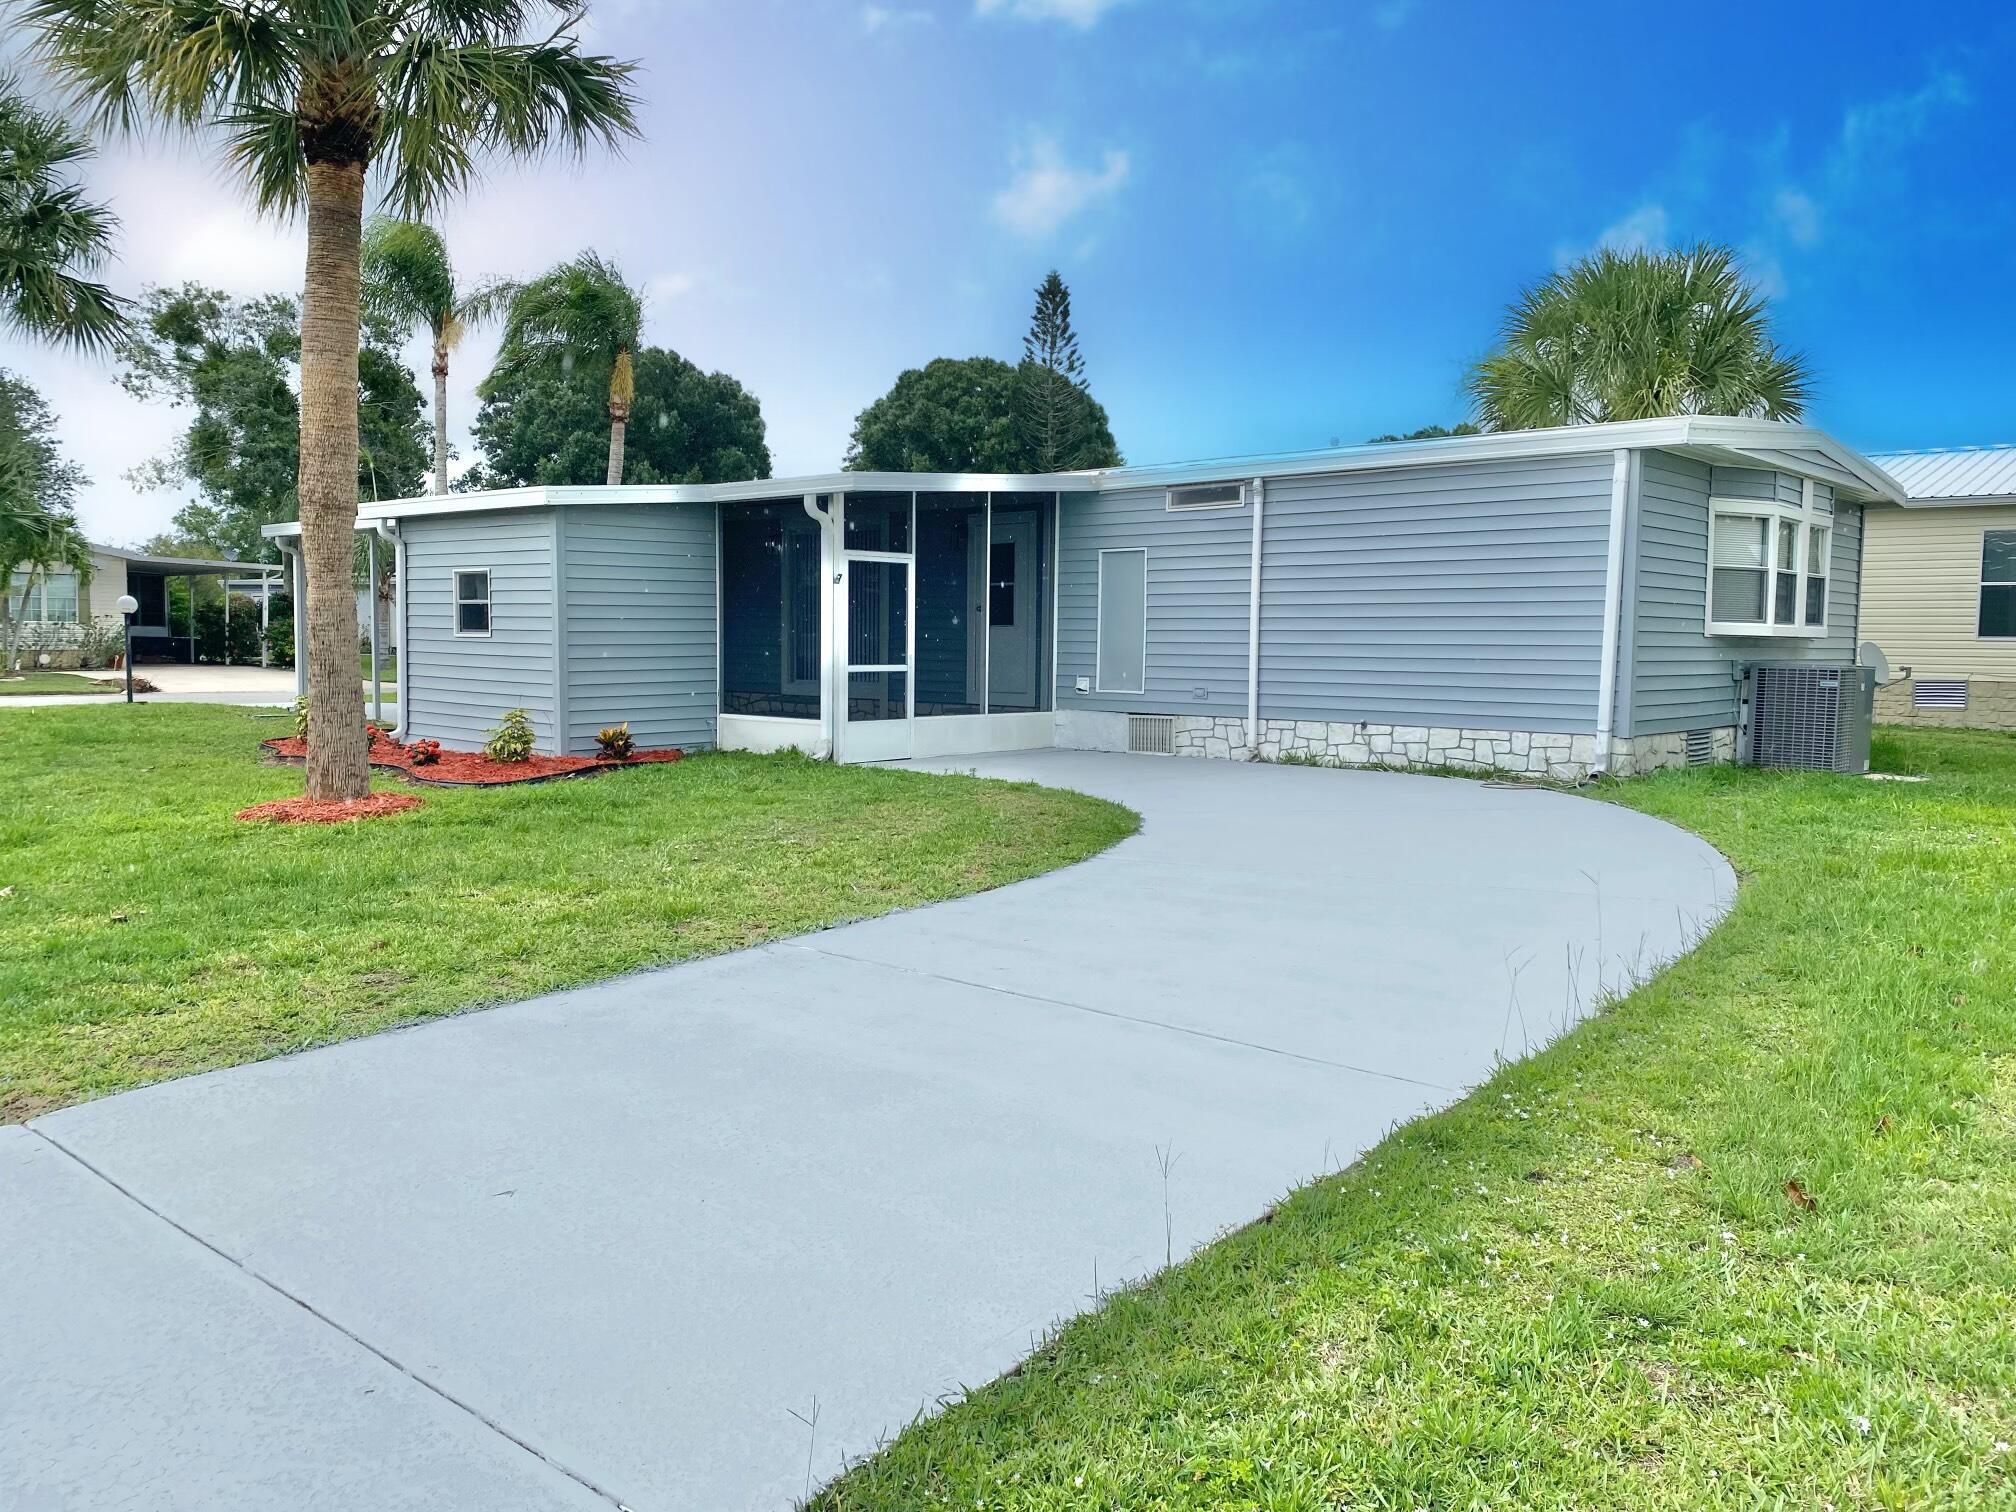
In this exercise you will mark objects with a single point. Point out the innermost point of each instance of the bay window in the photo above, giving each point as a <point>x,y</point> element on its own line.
<point>1767,568</point>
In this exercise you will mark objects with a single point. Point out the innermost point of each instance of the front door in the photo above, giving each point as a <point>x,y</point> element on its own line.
<point>1014,603</point>
<point>875,605</point>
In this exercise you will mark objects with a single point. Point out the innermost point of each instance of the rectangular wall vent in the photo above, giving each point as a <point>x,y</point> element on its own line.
<point>1700,747</point>
<point>1151,734</point>
<point>1939,693</point>
<point>1208,496</point>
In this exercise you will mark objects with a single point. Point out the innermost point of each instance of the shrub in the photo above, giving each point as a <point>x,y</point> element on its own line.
<point>280,643</point>
<point>511,741</point>
<point>616,743</point>
<point>424,752</point>
<point>300,709</point>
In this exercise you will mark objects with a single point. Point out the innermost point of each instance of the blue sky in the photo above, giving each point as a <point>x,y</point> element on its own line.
<point>1282,221</point>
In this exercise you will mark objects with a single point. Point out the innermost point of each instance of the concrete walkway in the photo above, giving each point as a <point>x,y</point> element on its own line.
<point>612,1245</point>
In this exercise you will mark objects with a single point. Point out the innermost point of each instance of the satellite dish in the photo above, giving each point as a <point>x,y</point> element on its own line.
<point>1870,655</point>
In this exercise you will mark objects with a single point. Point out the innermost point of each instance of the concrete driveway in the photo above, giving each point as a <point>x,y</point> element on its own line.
<point>623,1244</point>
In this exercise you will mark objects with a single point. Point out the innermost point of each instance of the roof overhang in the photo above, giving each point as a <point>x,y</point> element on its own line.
<point>1715,439</point>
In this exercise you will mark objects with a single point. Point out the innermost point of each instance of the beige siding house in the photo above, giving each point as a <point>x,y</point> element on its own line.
<point>1939,587</point>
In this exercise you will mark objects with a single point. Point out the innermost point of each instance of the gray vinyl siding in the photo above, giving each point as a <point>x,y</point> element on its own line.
<point>457,687</point>
<point>1200,570</point>
<point>1680,677</point>
<point>1465,595</point>
<point>638,598</point>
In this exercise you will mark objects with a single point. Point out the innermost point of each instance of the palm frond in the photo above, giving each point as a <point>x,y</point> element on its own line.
<point>51,236</point>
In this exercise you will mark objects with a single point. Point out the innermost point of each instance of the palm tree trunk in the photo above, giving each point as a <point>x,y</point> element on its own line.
<point>338,758</point>
<point>18,631</point>
<point>440,418</point>
<point>619,421</point>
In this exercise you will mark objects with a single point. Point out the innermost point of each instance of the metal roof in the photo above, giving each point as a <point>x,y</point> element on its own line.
<point>1959,473</point>
<point>1716,438</point>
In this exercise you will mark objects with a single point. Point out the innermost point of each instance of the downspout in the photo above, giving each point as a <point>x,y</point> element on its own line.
<point>297,589</point>
<point>388,530</point>
<point>1259,487</point>
<point>830,575</point>
<point>1613,608</point>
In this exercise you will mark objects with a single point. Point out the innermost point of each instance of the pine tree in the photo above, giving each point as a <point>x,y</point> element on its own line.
<point>1053,399</point>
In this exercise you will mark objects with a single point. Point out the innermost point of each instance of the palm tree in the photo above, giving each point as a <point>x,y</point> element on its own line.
<point>1630,335</point>
<point>309,98</point>
<point>51,237</point>
<point>580,316</point>
<point>409,279</point>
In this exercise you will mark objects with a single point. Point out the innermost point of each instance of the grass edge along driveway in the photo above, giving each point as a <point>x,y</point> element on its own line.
<point>148,934</point>
<point>1746,1239</point>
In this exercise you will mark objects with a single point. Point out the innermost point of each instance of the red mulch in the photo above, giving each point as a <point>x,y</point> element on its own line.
<point>473,768</point>
<point>329,810</point>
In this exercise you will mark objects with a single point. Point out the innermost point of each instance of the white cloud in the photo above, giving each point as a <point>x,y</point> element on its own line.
<point>894,18</point>
<point>1046,190</point>
<point>1797,213</point>
<point>1643,229</point>
<point>1082,14</point>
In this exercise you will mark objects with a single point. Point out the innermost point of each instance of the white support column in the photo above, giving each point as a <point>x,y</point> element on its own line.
<point>299,577</point>
<point>265,612</point>
<point>371,588</point>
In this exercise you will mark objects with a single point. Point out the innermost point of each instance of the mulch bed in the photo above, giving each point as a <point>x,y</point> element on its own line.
<point>328,810</point>
<point>473,768</point>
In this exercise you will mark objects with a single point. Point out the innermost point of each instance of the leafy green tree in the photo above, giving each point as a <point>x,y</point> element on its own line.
<point>954,415</point>
<point>580,317</point>
<point>410,280</point>
<point>1631,335</point>
<point>1431,433</point>
<point>547,426</point>
<point>312,98</point>
<point>1055,414</point>
<point>38,490</point>
<point>235,363</point>
<point>52,239</point>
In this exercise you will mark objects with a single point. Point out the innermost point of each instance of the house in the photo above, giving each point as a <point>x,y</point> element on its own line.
<point>1940,591</point>
<point>1555,601</point>
<point>73,619</point>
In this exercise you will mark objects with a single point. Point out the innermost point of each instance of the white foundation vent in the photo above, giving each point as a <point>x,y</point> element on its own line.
<point>1700,747</point>
<point>1151,734</point>
<point>1939,693</point>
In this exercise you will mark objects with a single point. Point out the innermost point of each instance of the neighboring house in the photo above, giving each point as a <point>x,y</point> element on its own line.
<point>1940,589</point>
<point>63,611</point>
<point>1554,601</point>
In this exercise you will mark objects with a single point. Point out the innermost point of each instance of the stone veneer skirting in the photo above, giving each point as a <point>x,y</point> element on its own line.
<point>1527,753</point>
<point>1990,706</point>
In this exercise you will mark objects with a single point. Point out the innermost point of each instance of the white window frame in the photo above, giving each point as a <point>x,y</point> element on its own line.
<point>1987,583</point>
<point>1173,496</point>
<point>1099,619</point>
<point>1807,518</point>
<point>456,601</point>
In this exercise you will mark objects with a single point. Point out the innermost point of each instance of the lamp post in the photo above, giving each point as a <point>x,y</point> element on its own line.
<point>128,607</point>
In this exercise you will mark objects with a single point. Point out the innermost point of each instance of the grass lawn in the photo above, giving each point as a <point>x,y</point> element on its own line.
<point>148,934</point>
<point>1594,1283</point>
<point>40,683</point>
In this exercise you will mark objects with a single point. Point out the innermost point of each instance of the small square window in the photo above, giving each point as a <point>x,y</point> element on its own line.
<point>472,601</point>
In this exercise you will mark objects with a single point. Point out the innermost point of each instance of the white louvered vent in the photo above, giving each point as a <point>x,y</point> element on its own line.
<point>1208,496</point>
<point>1700,747</point>
<point>1151,734</point>
<point>1939,693</point>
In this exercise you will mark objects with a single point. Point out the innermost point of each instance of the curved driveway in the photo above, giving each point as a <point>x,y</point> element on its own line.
<point>612,1245</point>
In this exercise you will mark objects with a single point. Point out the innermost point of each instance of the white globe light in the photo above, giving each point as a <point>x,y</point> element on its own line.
<point>128,604</point>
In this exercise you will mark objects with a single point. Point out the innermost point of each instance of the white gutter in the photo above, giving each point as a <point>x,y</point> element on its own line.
<point>1613,607</point>
<point>389,531</point>
<point>1259,486</point>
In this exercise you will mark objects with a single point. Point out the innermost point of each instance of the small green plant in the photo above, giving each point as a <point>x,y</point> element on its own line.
<point>424,752</point>
<point>511,741</point>
<point>300,711</point>
<point>616,743</point>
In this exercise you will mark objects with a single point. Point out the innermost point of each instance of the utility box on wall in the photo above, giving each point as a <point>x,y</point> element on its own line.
<point>1811,716</point>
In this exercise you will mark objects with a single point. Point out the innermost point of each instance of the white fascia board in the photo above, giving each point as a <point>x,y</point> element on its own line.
<point>1743,442</point>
